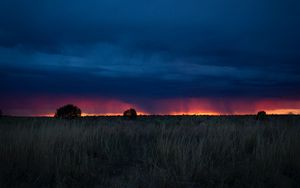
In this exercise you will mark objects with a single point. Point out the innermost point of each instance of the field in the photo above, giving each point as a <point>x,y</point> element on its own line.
<point>151,151</point>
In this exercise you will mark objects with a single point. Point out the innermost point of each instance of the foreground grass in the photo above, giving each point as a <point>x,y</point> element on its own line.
<point>180,151</point>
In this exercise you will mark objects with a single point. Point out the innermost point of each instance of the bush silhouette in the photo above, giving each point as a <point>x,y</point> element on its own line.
<point>262,115</point>
<point>68,112</point>
<point>130,113</point>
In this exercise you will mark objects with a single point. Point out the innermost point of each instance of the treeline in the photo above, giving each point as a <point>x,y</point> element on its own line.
<point>71,111</point>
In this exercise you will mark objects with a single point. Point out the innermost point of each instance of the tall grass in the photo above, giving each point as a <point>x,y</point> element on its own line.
<point>179,151</point>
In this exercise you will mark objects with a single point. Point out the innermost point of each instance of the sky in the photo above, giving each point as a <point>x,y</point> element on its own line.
<point>158,56</point>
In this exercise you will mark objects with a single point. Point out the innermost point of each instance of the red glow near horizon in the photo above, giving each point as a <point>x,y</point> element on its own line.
<point>194,106</point>
<point>46,106</point>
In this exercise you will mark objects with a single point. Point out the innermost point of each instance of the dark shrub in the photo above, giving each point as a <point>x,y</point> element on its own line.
<point>130,113</point>
<point>68,112</point>
<point>262,115</point>
<point>1,113</point>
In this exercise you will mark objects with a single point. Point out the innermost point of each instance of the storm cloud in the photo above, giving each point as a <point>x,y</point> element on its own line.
<point>144,51</point>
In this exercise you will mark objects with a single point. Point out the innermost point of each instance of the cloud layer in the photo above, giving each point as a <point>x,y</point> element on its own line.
<point>142,51</point>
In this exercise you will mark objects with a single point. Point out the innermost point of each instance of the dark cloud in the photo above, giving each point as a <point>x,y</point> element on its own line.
<point>150,49</point>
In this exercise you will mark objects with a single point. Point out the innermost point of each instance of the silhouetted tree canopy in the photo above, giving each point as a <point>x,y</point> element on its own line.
<point>68,112</point>
<point>262,115</point>
<point>130,113</point>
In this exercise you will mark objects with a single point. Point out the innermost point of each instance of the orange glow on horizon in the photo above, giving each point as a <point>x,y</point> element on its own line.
<point>45,106</point>
<point>194,113</point>
<point>88,114</point>
<point>270,112</point>
<point>284,111</point>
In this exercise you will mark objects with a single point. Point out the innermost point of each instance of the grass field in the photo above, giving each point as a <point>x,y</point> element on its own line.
<point>151,151</point>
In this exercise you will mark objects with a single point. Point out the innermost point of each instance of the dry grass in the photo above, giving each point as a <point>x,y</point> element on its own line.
<point>180,151</point>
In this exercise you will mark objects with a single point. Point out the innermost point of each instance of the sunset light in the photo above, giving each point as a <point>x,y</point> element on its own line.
<point>149,93</point>
<point>46,106</point>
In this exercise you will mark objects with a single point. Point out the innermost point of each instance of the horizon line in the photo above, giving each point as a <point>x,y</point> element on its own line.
<point>145,115</point>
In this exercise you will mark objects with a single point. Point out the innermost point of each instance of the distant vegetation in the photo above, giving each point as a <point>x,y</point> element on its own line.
<point>68,112</point>
<point>130,113</point>
<point>153,151</point>
<point>262,115</point>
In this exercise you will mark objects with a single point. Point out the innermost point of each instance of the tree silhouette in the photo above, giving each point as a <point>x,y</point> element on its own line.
<point>130,113</point>
<point>262,115</point>
<point>1,113</point>
<point>68,111</point>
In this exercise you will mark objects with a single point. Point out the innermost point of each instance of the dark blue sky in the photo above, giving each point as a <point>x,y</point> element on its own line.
<point>142,51</point>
